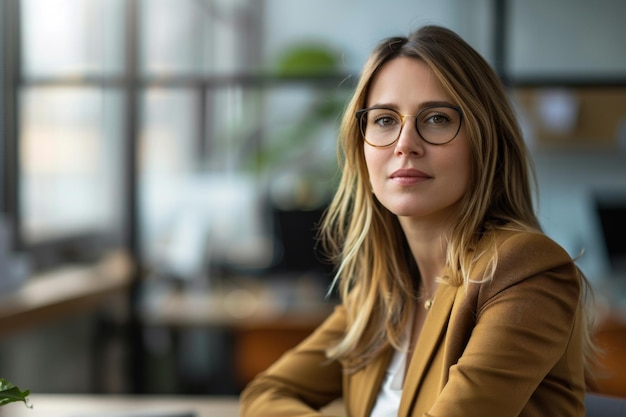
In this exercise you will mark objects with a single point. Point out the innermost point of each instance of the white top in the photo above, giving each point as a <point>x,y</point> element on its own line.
<point>388,401</point>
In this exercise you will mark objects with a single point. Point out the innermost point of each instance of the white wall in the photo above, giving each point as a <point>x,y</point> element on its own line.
<point>553,37</point>
<point>354,27</point>
<point>567,37</point>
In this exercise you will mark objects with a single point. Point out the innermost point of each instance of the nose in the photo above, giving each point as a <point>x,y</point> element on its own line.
<point>409,142</point>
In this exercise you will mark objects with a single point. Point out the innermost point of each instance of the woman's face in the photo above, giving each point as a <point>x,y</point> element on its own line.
<point>413,178</point>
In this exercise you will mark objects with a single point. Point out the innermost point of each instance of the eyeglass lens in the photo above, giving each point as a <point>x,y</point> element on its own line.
<point>436,125</point>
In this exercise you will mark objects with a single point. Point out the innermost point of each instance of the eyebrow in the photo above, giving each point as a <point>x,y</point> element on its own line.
<point>423,105</point>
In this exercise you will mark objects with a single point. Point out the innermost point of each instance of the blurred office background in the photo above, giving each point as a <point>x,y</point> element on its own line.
<point>195,139</point>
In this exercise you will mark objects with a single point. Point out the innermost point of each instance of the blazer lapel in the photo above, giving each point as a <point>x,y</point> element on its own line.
<point>365,388</point>
<point>430,338</point>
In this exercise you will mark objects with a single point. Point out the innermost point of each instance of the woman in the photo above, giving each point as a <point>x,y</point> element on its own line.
<point>453,301</point>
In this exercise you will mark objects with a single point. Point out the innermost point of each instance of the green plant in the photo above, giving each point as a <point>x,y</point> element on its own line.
<point>9,393</point>
<point>319,70</point>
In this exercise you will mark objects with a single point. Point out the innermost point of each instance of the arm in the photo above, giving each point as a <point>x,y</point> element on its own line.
<point>524,321</point>
<point>300,382</point>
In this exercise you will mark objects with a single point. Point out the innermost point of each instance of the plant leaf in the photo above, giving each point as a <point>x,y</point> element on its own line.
<point>9,393</point>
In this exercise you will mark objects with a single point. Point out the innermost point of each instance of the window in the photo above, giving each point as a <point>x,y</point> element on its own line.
<point>177,85</point>
<point>69,118</point>
<point>77,66</point>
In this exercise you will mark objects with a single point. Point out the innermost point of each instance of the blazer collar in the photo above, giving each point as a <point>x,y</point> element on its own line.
<point>430,338</point>
<point>376,371</point>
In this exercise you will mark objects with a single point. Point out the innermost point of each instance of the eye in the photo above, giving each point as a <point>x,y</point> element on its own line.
<point>385,121</point>
<point>437,119</point>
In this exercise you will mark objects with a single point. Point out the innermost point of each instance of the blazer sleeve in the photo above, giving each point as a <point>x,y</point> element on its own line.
<point>302,381</point>
<point>524,321</point>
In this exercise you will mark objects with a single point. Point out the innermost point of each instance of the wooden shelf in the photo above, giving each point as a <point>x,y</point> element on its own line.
<point>68,290</point>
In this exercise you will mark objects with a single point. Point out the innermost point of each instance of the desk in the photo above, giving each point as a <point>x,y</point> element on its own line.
<point>140,406</point>
<point>239,308</point>
<point>65,291</point>
<point>262,321</point>
<point>101,406</point>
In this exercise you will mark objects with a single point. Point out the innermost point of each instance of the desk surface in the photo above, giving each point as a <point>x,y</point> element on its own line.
<point>121,406</point>
<point>240,308</point>
<point>128,406</point>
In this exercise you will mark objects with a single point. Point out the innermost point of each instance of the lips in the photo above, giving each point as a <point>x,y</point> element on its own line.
<point>410,173</point>
<point>408,176</point>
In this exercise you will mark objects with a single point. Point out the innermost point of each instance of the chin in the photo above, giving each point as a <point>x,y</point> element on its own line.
<point>411,212</point>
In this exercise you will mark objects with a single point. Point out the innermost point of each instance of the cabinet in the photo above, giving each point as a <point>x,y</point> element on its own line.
<point>588,116</point>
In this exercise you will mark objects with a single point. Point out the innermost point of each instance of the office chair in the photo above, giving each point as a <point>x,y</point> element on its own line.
<point>605,406</point>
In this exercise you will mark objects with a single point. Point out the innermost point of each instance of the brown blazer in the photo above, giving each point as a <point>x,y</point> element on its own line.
<point>509,347</point>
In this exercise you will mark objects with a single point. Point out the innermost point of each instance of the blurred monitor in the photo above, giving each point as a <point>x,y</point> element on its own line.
<point>297,251</point>
<point>611,211</point>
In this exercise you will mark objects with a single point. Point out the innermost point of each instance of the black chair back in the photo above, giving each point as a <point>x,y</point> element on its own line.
<point>604,406</point>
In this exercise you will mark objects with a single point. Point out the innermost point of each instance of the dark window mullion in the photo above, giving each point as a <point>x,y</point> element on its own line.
<point>132,87</point>
<point>204,113</point>
<point>11,80</point>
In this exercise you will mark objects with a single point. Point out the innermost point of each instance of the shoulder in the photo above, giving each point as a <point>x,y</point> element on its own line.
<point>532,250</point>
<point>519,244</point>
<point>509,257</point>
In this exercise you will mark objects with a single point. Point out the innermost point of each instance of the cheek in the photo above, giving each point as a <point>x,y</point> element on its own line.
<point>464,170</point>
<point>373,163</point>
<point>458,165</point>
<point>368,155</point>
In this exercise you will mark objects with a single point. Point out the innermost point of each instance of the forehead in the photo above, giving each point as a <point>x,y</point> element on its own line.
<point>405,82</point>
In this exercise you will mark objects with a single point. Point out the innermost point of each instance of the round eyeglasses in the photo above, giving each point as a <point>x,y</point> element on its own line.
<point>437,125</point>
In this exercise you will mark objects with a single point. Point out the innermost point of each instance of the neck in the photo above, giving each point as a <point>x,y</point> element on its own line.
<point>428,246</point>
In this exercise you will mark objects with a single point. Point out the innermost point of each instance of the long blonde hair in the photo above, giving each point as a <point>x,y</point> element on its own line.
<point>376,275</point>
